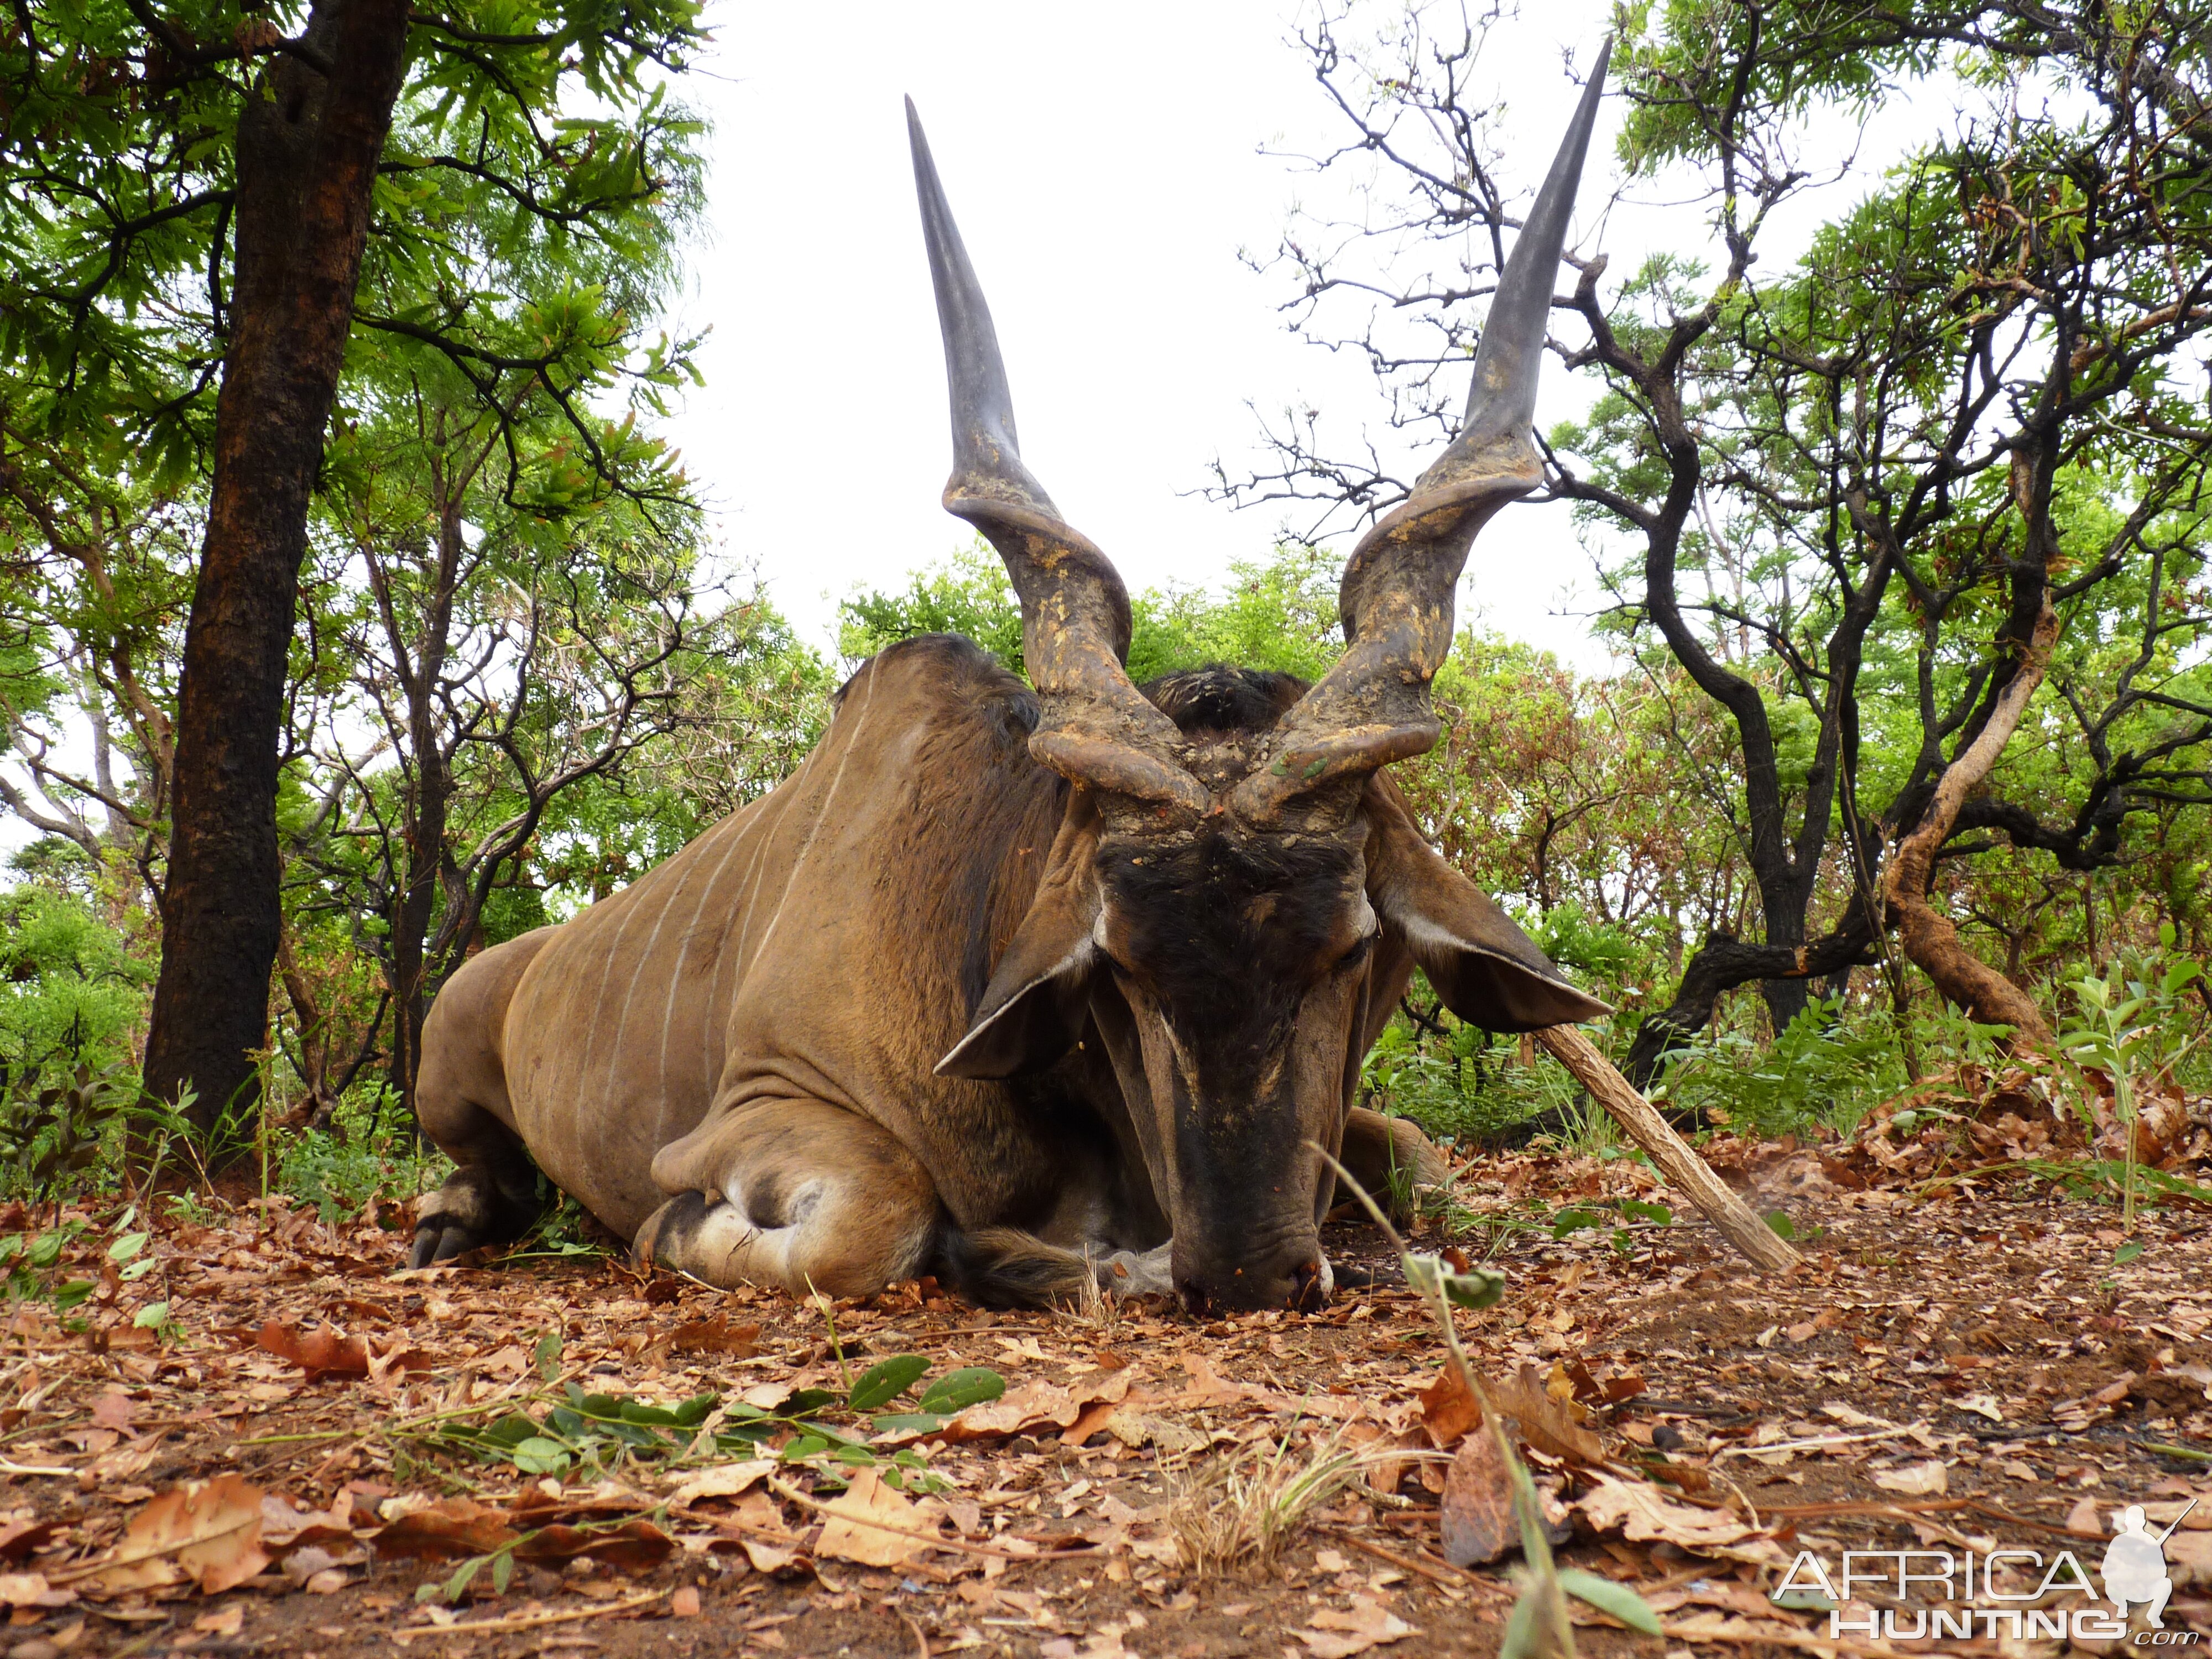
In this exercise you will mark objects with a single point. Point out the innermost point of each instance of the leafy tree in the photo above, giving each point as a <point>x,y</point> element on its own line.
<point>187,197</point>
<point>1871,491</point>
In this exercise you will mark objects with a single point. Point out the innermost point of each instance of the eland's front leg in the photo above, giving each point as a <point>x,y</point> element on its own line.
<point>795,1193</point>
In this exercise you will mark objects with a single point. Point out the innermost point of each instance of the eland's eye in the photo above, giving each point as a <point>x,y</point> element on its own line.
<point>1358,954</point>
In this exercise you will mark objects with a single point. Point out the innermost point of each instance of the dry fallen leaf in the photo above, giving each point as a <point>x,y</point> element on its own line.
<point>1334,1634</point>
<point>635,1544</point>
<point>320,1352</point>
<point>685,1604</point>
<point>1031,1406</point>
<point>447,1530</point>
<point>1478,1504</point>
<point>724,1481</point>
<point>2084,1521</point>
<point>2189,1560</point>
<point>1642,1515</point>
<point>1136,1429</point>
<point>1917,1479</point>
<point>209,1531</point>
<point>19,1538</point>
<point>284,1528</point>
<point>858,1522</point>
<point>31,1590</point>
<point>1549,1425</point>
<point>226,1620</point>
<point>1449,1408</point>
<point>769,1545</point>
<point>715,1336</point>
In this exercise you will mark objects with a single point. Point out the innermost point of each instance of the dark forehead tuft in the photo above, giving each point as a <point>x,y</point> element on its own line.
<point>1220,698</point>
<point>1223,867</point>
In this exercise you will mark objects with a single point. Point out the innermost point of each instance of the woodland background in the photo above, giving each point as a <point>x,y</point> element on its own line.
<point>1854,511</point>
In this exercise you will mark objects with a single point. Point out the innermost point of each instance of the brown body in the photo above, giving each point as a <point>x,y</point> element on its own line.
<point>1020,985</point>
<point>749,1029</point>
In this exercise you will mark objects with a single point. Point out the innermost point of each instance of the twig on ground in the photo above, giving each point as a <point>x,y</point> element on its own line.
<point>50,1471</point>
<point>1458,1577</point>
<point>1747,1449</point>
<point>515,1621</point>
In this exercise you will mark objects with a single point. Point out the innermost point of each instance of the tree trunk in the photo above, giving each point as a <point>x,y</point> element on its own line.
<point>308,143</point>
<point>1929,940</point>
<point>1724,961</point>
<point>430,794</point>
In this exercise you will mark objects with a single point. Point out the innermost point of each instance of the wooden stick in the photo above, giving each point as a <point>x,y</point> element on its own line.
<point>515,1621</point>
<point>1677,1159</point>
<point>1457,1578</point>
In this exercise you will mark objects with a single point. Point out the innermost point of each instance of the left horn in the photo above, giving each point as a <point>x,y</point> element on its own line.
<point>1098,728</point>
<point>1373,707</point>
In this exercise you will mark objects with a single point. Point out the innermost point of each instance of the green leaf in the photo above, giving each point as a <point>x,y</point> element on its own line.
<point>1520,1640</point>
<point>138,1269</point>
<point>538,1455</point>
<point>1622,1602</point>
<point>463,1576</point>
<point>971,1385</point>
<point>882,1383</point>
<point>152,1316</point>
<point>807,1401</point>
<point>691,1413</point>
<point>1636,1210</point>
<point>909,1423</point>
<point>1427,1276</point>
<point>547,1355</point>
<point>1485,1287</point>
<point>127,1247</point>
<point>1782,1225</point>
<point>502,1570</point>
<point>1576,1218</point>
<point>510,1431</point>
<point>2127,1252</point>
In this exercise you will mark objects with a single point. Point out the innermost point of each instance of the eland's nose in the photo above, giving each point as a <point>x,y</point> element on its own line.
<point>1300,1283</point>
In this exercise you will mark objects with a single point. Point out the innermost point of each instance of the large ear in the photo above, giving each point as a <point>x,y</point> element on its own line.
<point>1487,971</point>
<point>1032,1011</point>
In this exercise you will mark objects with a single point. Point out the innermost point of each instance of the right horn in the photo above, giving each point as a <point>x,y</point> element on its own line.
<point>1373,707</point>
<point>1097,727</point>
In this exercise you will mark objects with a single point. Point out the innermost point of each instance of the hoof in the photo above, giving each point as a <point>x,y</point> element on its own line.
<point>660,1240</point>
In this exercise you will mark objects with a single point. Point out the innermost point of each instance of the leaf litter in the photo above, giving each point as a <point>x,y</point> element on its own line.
<point>310,1452</point>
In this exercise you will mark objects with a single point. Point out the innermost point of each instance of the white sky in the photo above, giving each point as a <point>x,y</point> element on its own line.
<point>1104,164</point>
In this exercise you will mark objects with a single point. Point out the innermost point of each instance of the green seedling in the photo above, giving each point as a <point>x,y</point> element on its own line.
<point>1538,1627</point>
